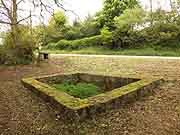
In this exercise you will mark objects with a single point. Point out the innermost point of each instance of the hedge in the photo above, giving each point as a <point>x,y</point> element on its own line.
<point>79,43</point>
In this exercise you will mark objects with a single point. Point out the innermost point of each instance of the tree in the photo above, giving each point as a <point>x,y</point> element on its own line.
<point>113,8</point>
<point>127,25</point>
<point>56,27</point>
<point>10,15</point>
<point>90,27</point>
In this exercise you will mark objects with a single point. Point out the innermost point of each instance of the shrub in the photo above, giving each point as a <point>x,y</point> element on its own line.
<point>62,44</point>
<point>161,34</point>
<point>79,43</point>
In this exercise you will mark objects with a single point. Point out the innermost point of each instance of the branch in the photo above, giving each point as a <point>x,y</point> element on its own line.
<point>3,13</point>
<point>20,2</point>
<point>7,9</point>
<point>4,22</point>
<point>49,9</point>
<point>60,5</point>
<point>23,19</point>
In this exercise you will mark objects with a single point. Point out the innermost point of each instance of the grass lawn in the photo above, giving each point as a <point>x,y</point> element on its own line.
<point>145,51</point>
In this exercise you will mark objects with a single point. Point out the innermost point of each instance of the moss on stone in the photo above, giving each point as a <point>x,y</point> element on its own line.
<point>76,103</point>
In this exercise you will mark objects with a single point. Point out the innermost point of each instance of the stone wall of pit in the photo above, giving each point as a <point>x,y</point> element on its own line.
<point>90,111</point>
<point>106,83</point>
<point>118,102</point>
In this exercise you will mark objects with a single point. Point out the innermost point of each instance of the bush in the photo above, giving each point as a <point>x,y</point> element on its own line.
<point>9,57</point>
<point>81,43</point>
<point>160,33</point>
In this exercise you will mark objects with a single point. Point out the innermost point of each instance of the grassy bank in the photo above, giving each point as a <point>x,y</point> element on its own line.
<point>145,51</point>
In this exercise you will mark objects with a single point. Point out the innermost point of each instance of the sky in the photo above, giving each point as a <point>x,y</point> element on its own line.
<point>84,7</point>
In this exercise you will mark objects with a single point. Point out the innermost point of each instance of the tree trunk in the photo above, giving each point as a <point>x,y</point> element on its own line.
<point>171,4</point>
<point>14,25</point>
<point>151,10</point>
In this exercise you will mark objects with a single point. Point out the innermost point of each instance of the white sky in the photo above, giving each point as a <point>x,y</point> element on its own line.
<point>85,7</point>
<point>163,4</point>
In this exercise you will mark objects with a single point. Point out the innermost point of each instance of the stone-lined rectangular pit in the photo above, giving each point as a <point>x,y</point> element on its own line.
<point>115,91</point>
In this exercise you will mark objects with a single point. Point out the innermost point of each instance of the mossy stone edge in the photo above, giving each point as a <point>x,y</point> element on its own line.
<point>81,108</point>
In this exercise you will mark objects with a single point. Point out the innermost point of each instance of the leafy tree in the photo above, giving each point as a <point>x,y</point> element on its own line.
<point>106,36</point>
<point>130,19</point>
<point>164,30</point>
<point>128,25</point>
<point>58,19</point>
<point>74,31</point>
<point>56,28</point>
<point>10,15</point>
<point>113,8</point>
<point>27,43</point>
<point>89,27</point>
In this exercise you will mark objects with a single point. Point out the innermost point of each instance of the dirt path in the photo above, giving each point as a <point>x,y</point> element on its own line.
<point>114,56</point>
<point>23,113</point>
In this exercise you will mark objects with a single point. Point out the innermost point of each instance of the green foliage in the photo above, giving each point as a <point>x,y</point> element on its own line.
<point>41,35</point>
<point>127,27</point>
<point>58,19</point>
<point>79,30</point>
<point>122,24</point>
<point>74,31</point>
<point>161,33</point>
<point>79,90</point>
<point>164,30</point>
<point>77,44</point>
<point>90,27</point>
<point>56,28</point>
<point>22,53</point>
<point>106,36</point>
<point>113,8</point>
<point>130,18</point>
<point>134,27</point>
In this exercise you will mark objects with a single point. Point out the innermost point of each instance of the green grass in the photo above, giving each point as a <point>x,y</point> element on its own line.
<point>144,51</point>
<point>79,90</point>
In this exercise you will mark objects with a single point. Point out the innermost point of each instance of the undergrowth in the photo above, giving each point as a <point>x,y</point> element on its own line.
<point>79,90</point>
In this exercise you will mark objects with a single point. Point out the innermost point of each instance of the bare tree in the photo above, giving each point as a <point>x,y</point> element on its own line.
<point>9,13</point>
